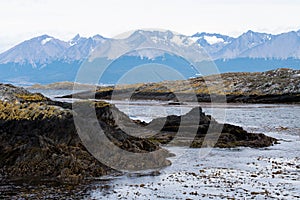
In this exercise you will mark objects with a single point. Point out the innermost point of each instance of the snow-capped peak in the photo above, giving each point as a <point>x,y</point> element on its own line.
<point>99,38</point>
<point>164,37</point>
<point>45,49</point>
<point>74,40</point>
<point>211,38</point>
<point>250,33</point>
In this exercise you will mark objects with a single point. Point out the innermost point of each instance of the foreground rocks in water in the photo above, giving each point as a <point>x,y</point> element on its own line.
<point>38,136</point>
<point>39,139</point>
<point>206,133</point>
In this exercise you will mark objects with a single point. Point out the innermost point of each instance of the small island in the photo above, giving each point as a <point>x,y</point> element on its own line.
<point>274,86</point>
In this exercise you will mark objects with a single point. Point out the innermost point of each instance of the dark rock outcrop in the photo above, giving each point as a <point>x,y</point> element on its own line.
<point>38,138</point>
<point>206,133</point>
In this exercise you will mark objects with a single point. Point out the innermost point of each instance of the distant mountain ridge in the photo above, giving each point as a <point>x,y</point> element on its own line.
<point>44,49</point>
<point>47,59</point>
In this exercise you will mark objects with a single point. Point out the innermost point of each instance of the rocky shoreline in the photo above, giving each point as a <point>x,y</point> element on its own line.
<point>275,86</point>
<point>38,137</point>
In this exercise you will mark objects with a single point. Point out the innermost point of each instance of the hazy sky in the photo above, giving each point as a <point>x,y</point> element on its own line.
<point>21,20</point>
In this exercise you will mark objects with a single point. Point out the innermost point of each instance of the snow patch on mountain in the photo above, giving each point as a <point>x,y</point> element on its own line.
<point>282,46</point>
<point>247,41</point>
<point>213,39</point>
<point>177,40</point>
<point>182,40</point>
<point>46,49</point>
<point>44,41</point>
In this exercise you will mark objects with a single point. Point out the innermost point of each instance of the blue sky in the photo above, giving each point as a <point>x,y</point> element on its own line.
<point>24,19</point>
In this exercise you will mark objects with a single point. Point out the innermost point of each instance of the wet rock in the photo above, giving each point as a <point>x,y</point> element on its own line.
<point>10,93</point>
<point>206,133</point>
<point>38,138</point>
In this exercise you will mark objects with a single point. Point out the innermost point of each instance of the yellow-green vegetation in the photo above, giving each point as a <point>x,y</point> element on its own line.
<point>127,86</point>
<point>29,111</point>
<point>96,104</point>
<point>100,104</point>
<point>62,86</point>
<point>274,82</point>
<point>105,89</point>
<point>35,97</point>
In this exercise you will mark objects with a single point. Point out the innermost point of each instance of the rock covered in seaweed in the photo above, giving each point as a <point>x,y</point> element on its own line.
<point>11,93</point>
<point>38,138</point>
<point>206,133</point>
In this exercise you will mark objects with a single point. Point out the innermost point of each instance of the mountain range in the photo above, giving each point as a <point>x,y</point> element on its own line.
<point>46,59</point>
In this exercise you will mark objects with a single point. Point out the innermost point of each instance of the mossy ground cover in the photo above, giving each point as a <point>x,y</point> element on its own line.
<point>274,82</point>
